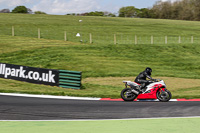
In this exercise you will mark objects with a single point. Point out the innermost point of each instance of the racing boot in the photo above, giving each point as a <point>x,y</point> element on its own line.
<point>141,88</point>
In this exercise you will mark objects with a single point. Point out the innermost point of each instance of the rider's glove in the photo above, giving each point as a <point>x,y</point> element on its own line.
<point>149,81</point>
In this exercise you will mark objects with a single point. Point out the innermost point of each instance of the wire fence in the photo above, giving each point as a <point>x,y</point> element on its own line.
<point>96,38</point>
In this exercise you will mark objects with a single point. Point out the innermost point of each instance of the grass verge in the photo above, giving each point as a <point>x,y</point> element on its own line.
<point>166,125</point>
<point>109,87</point>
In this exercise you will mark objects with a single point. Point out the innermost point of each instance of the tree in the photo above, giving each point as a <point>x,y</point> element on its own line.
<point>176,9</point>
<point>129,11</point>
<point>29,11</point>
<point>197,10</point>
<point>145,13</point>
<point>166,10</point>
<point>162,9</point>
<point>20,9</point>
<point>5,11</point>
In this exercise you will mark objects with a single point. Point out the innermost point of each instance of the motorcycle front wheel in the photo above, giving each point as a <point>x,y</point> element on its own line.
<point>128,95</point>
<point>164,95</point>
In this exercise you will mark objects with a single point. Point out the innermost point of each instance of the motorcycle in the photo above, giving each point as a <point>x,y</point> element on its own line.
<point>155,90</point>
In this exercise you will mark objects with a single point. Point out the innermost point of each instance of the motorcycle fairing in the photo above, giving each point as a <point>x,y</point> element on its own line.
<point>150,92</point>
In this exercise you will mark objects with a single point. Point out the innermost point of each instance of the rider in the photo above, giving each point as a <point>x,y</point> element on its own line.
<point>141,78</point>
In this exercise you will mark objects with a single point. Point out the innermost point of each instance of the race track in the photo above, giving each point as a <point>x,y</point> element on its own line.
<point>24,108</point>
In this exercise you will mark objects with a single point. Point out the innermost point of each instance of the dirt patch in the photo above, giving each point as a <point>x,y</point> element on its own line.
<point>171,82</point>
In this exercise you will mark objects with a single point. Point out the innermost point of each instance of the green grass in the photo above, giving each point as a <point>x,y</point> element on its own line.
<point>107,60</point>
<point>102,58</point>
<point>91,90</point>
<point>101,28</point>
<point>166,125</point>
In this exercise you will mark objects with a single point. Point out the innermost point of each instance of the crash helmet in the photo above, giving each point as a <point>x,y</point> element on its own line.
<point>148,70</point>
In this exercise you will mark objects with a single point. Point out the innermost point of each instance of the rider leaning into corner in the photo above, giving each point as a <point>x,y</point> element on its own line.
<point>142,78</point>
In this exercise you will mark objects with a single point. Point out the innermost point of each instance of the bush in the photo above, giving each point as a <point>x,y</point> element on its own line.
<point>39,12</point>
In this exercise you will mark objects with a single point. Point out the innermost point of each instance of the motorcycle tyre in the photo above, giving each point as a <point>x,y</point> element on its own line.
<point>127,99</point>
<point>164,100</point>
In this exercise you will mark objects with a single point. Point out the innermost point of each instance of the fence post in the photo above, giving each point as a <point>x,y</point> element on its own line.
<point>38,33</point>
<point>165,39</point>
<point>13,31</point>
<point>151,39</point>
<point>90,38</point>
<point>115,42</point>
<point>179,40</point>
<point>192,39</point>
<point>135,39</point>
<point>65,36</point>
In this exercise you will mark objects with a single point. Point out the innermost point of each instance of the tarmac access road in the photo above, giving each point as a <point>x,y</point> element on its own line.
<point>28,108</point>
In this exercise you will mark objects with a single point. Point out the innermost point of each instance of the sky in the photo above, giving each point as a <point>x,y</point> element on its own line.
<point>62,7</point>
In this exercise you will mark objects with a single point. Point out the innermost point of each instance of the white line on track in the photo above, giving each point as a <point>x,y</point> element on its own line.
<point>85,98</point>
<point>62,97</point>
<point>49,96</point>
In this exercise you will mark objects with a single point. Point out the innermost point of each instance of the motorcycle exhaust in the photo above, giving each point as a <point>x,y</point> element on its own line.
<point>135,92</point>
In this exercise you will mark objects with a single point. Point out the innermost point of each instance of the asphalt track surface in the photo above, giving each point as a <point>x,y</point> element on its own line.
<point>26,108</point>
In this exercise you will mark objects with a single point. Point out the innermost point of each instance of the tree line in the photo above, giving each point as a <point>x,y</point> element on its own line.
<point>21,9</point>
<point>96,13</point>
<point>180,10</point>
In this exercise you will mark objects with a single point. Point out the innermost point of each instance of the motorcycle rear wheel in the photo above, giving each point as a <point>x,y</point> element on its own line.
<point>128,95</point>
<point>164,96</point>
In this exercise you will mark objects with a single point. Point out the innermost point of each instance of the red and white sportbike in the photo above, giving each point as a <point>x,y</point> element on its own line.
<point>155,90</point>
